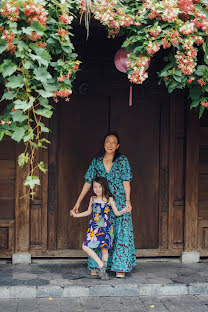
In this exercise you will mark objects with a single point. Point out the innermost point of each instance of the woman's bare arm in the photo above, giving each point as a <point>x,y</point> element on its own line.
<point>83,214</point>
<point>127,189</point>
<point>85,189</point>
<point>115,209</point>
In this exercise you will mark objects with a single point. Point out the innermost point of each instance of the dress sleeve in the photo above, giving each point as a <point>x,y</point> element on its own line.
<point>91,172</point>
<point>125,169</point>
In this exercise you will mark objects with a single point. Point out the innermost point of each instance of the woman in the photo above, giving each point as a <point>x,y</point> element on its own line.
<point>114,166</point>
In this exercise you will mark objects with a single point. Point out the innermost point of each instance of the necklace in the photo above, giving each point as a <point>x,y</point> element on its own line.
<point>107,161</point>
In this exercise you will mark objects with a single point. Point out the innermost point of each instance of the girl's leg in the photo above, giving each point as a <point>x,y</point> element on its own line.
<point>104,274</point>
<point>93,255</point>
<point>104,254</point>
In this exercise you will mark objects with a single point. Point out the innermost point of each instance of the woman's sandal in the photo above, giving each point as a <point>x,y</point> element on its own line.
<point>94,273</point>
<point>120,274</point>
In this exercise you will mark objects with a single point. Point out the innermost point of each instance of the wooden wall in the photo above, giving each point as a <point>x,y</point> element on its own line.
<point>7,196</point>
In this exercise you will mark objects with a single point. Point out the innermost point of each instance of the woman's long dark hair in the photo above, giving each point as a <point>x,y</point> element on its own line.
<point>102,150</point>
<point>105,188</point>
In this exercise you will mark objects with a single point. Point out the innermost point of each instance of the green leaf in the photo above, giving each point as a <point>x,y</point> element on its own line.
<point>22,159</point>
<point>44,128</point>
<point>18,116</point>
<point>8,68</point>
<point>24,105</point>
<point>163,73</point>
<point>3,45</point>
<point>15,82</point>
<point>195,92</point>
<point>7,132</point>
<point>28,137</point>
<point>41,167</point>
<point>67,49</point>
<point>31,181</point>
<point>201,110</point>
<point>27,30</point>
<point>9,95</point>
<point>44,103</point>
<point>38,28</point>
<point>28,65</point>
<point>44,112</point>
<point>1,134</point>
<point>41,56</point>
<point>45,94</point>
<point>177,78</point>
<point>18,134</point>
<point>41,74</point>
<point>195,103</point>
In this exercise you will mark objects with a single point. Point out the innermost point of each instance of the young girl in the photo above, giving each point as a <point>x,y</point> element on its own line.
<point>100,230</point>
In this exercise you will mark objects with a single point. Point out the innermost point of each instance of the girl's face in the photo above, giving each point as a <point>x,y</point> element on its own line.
<point>111,144</point>
<point>97,188</point>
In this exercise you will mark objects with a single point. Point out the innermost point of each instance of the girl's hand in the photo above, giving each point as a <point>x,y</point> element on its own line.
<point>72,214</point>
<point>128,206</point>
<point>76,208</point>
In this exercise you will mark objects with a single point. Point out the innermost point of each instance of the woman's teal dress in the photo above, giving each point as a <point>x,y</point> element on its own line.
<point>122,256</point>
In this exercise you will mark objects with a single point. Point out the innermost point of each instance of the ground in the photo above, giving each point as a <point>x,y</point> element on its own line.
<point>101,304</point>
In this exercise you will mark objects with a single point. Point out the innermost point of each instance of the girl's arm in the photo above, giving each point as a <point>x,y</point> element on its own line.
<point>115,209</point>
<point>82,214</point>
<point>127,189</point>
<point>85,190</point>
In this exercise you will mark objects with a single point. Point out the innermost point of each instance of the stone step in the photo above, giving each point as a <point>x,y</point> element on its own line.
<point>106,290</point>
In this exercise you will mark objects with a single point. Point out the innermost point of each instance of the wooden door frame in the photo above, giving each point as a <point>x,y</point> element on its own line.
<point>166,193</point>
<point>166,189</point>
<point>192,180</point>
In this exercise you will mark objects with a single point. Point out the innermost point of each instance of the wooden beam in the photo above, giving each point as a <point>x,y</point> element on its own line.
<point>191,181</point>
<point>21,207</point>
<point>78,253</point>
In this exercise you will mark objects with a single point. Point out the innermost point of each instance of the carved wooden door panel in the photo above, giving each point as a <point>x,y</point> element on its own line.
<point>203,194</point>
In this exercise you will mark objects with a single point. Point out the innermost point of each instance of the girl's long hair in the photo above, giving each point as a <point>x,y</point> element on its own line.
<point>105,188</point>
<point>102,149</point>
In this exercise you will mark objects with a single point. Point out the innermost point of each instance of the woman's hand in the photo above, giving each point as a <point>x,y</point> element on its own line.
<point>76,208</point>
<point>128,206</point>
<point>124,210</point>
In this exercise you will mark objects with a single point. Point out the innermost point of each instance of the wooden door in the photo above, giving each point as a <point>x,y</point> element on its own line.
<point>82,125</point>
<point>139,129</point>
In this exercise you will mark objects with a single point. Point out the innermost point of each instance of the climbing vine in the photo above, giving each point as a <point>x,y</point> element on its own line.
<point>38,62</point>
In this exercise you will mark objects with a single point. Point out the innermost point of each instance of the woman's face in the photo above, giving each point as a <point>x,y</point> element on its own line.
<point>111,144</point>
<point>97,188</point>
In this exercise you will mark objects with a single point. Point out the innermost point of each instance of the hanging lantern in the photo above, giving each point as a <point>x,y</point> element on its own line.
<point>120,60</point>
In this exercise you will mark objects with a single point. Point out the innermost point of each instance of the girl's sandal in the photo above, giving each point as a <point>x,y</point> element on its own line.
<point>94,273</point>
<point>120,274</point>
<point>103,274</point>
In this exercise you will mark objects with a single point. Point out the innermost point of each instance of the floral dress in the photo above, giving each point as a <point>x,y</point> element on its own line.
<point>122,256</point>
<point>100,231</point>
